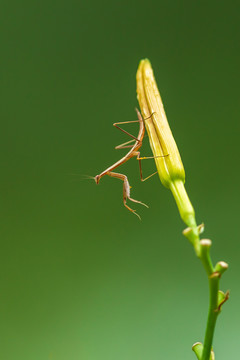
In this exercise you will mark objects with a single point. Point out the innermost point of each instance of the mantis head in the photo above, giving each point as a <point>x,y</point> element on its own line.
<point>97,179</point>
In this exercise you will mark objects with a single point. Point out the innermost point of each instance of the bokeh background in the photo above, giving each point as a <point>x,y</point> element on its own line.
<point>81,277</point>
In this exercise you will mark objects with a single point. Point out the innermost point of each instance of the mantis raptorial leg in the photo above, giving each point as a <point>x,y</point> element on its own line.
<point>126,191</point>
<point>132,152</point>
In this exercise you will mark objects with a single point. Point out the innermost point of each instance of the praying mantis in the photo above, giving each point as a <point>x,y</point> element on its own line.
<point>134,151</point>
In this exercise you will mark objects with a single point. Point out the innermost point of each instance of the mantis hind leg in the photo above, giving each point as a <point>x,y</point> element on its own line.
<point>126,192</point>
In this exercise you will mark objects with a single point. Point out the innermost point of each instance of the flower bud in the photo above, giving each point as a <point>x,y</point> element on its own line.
<point>170,167</point>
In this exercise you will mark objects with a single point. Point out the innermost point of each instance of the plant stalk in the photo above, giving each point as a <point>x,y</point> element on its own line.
<point>212,315</point>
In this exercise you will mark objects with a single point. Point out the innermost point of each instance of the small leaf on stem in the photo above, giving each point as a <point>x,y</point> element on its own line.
<point>222,298</point>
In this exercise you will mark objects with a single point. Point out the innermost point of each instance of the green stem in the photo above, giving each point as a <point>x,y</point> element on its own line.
<point>213,280</point>
<point>212,315</point>
<point>186,211</point>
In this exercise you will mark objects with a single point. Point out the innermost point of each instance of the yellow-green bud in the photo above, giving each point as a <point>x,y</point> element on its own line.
<point>170,167</point>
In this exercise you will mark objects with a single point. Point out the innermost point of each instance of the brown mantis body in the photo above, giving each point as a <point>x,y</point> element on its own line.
<point>134,151</point>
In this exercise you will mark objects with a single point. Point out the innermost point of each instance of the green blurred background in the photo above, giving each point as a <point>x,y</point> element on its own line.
<point>81,277</point>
